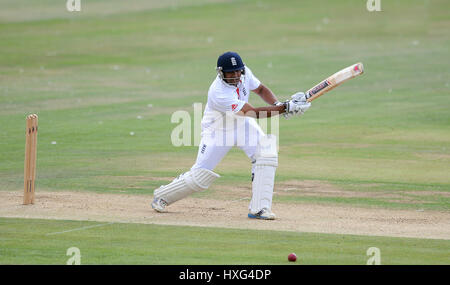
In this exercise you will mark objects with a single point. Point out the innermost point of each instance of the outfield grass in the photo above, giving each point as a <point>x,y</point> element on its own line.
<point>90,76</point>
<point>25,241</point>
<point>117,68</point>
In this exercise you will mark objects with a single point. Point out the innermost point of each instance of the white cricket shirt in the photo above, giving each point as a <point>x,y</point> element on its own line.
<point>226,100</point>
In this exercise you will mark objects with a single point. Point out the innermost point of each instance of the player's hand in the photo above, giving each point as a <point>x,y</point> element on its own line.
<point>299,97</point>
<point>294,107</point>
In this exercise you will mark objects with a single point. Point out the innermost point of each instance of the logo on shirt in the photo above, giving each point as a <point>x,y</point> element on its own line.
<point>233,61</point>
<point>233,107</point>
<point>203,148</point>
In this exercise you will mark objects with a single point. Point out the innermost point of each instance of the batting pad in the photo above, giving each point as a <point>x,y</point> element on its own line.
<point>187,183</point>
<point>264,174</point>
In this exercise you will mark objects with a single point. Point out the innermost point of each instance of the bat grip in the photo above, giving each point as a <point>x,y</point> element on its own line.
<point>308,96</point>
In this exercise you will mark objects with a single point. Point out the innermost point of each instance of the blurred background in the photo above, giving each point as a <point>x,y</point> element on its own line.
<point>105,81</point>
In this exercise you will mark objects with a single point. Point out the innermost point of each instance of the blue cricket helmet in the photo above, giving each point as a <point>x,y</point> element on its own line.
<point>230,61</point>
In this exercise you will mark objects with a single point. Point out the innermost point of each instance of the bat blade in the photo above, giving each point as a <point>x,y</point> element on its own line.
<point>334,80</point>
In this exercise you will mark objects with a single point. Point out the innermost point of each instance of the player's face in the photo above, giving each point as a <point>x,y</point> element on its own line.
<point>232,77</point>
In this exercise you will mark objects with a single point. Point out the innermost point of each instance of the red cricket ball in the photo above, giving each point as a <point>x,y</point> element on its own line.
<point>292,257</point>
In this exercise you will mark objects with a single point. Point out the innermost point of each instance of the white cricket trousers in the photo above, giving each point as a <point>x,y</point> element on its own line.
<point>215,145</point>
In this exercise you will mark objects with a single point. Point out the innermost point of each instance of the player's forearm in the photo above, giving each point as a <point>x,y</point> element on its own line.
<point>265,112</point>
<point>266,94</point>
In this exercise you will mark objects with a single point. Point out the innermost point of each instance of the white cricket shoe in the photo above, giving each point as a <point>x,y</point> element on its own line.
<point>159,205</point>
<point>264,214</point>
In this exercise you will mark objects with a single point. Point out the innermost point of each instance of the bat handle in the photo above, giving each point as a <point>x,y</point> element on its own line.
<point>308,96</point>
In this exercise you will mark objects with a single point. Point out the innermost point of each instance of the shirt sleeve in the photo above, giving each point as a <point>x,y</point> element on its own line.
<point>252,80</point>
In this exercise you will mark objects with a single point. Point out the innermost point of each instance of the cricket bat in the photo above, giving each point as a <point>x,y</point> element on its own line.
<point>334,80</point>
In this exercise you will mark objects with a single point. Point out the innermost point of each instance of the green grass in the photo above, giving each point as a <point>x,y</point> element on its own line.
<point>91,76</point>
<point>25,241</point>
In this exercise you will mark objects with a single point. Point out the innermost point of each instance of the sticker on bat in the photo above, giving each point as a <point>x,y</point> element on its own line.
<point>319,87</point>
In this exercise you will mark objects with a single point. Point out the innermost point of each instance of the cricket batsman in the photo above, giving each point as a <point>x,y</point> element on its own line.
<point>229,120</point>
